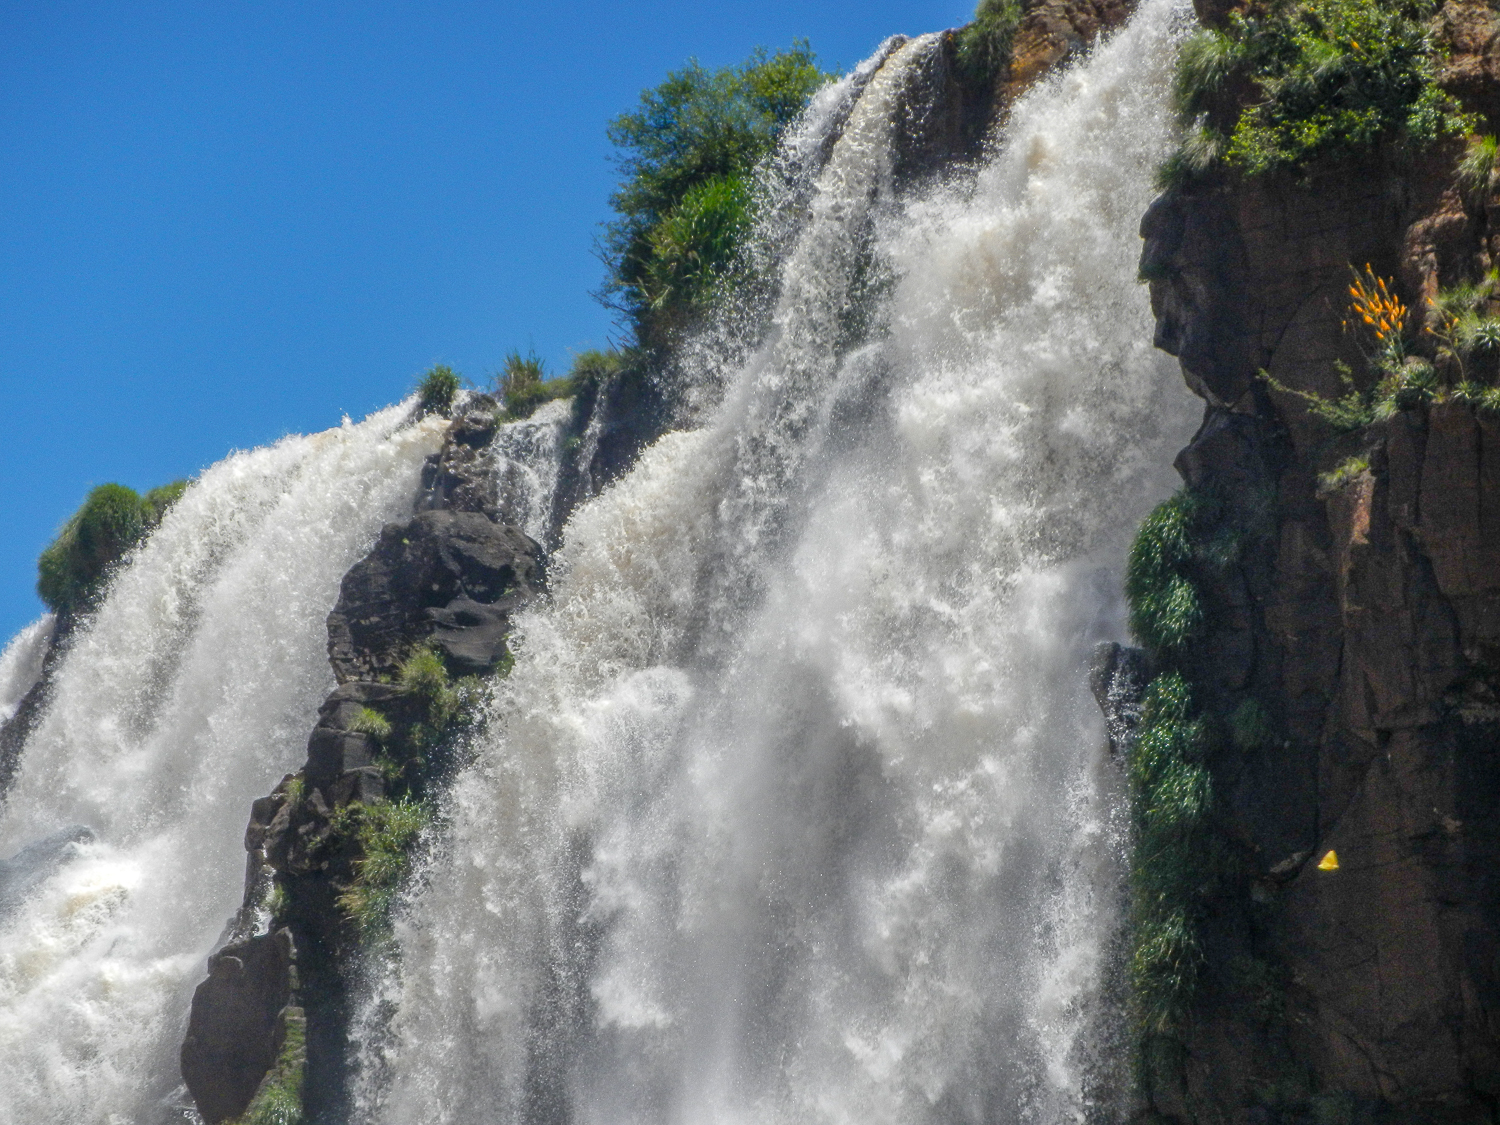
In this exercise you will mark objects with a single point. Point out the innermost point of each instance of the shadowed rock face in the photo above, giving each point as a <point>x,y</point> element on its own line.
<point>450,578</point>
<point>232,1036</point>
<point>1367,621</point>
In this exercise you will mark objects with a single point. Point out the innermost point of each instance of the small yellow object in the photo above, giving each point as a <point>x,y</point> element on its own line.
<point>1329,862</point>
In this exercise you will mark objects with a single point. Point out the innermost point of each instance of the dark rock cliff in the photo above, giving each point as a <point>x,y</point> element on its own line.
<point>1363,617</point>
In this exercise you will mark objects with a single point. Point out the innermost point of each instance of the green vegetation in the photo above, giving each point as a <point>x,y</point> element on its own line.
<point>522,385</point>
<point>1477,171</point>
<point>386,832</point>
<point>687,157</point>
<point>437,390</point>
<point>1181,860</point>
<point>1176,863</point>
<point>279,1099</point>
<point>1304,82</point>
<point>372,722</point>
<point>1166,610</point>
<point>1460,336</point>
<point>112,520</point>
<point>1346,471</point>
<point>984,44</point>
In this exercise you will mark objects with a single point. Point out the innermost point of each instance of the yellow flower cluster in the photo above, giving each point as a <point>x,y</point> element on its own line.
<point>1375,306</point>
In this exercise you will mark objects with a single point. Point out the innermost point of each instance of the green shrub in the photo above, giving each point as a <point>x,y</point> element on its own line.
<point>694,245</point>
<point>162,497</point>
<point>1311,81</point>
<point>1477,170</point>
<point>984,44</point>
<point>523,386</point>
<point>386,832</point>
<point>1166,610</point>
<point>1343,473</point>
<point>437,390</point>
<point>112,520</point>
<point>1251,726</point>
<point>1176,858</point>
<point>697,128</point>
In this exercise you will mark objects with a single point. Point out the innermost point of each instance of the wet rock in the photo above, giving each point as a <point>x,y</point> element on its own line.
<point>450,578</point>
<point>232,1037</point>
<point>1118,677</point>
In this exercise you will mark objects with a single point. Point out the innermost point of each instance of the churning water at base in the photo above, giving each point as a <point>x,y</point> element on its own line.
<point>189,695</point>
<point>793,808</point>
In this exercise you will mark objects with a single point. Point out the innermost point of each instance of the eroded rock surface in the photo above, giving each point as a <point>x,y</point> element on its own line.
<point>1366,619</point>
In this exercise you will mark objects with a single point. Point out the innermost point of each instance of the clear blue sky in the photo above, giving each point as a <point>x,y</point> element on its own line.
<point>224,222</point>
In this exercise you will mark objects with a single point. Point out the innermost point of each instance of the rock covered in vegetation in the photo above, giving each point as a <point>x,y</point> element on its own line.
<point>1340,634</point>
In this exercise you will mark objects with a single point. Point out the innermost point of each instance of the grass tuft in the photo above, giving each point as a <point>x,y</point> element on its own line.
<point>437,390</point>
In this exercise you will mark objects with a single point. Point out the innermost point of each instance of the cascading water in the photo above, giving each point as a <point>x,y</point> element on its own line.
<point>21,663</point>
<point>187,696</point>
<point>793,807</point>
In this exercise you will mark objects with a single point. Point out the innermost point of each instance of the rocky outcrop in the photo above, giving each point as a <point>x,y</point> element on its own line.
<point>1362,615</point>
<point>235,1029</point>
<point>447,580</point>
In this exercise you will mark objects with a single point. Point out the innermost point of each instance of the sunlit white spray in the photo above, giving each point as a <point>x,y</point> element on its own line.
<point>790,810</point>
<point>21,663</point>
<point>189,695</point>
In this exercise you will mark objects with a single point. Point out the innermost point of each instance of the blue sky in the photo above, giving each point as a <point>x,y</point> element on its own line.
<point>225,222</point>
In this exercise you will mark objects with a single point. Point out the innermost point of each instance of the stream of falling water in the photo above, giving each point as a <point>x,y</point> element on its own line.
<point>793,808</point>
<point>189,695</point>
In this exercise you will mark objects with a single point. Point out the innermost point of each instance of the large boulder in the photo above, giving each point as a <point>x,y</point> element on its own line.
<point>233,1031</point>
<point>451,579</point>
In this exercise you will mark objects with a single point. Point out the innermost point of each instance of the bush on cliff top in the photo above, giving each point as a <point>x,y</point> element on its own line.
<point>984,43</point>
<point>112,520</point>
<point>687,155</point>
<point>1308,81</point>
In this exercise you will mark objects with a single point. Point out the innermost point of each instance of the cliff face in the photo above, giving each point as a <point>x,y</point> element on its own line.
<point>1362,615</point>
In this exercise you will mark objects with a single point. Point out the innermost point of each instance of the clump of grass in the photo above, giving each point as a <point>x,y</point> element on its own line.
<point>1176,857</point>
<point>1347,470</point>
<point>984,44</point>
<point>370,721</point>
<point>1477,171</point>
<point>1251,726</point>
<point>437,390</point>
<point>111,521</point>
<point>278,1101</point>
<point>386,832</point>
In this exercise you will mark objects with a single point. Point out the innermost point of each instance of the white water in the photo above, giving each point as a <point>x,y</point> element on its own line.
<point>189,695</point>
<point>528,458</point>
<point>793,807</point>
<point>21,663</point>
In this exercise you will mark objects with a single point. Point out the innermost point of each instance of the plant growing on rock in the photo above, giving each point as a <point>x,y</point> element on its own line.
<point>1309,81</point>
<point>687,155</point>
<point>112,520</point>
<point>386,832</point>
<point>279,1099</point>
<point>437,390</point>
<point>984,43</point>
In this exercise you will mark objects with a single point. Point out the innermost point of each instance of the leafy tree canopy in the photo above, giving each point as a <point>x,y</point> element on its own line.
<point>686,155</point>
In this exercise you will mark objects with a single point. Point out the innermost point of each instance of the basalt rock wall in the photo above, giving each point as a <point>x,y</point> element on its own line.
<point>1364,617</point>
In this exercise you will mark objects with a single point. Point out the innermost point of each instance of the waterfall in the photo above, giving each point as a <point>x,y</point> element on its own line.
<point>189,694</point>
<point>21,663</point>
<point>794,806</point>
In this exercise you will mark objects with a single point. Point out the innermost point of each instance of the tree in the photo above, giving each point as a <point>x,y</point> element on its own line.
<point>687,156</point>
